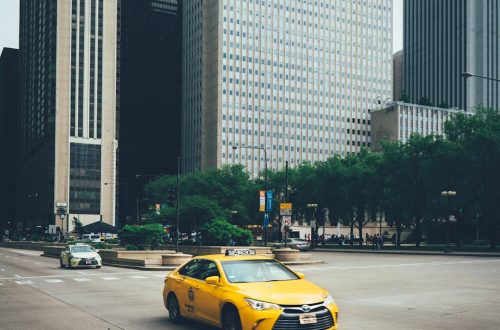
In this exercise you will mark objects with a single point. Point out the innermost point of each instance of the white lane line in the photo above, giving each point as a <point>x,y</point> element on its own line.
<point>109,278</point>
<point>137,277</point>
<point>32,253</point>
<point>15,275</point>
<point>81,279</point>
<point>159,275</point>
<point>83,273</point>
<point>1,269</point>
<point>24,282</point>
<point>37,263</point>
<point>55,280</point>
<point>71,275</point>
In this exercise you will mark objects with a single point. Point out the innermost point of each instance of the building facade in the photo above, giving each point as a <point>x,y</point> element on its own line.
<point>294,78</point>
<point>442,40</point>
<point>68,144</point>
<point>398,121</point>
<point>150,94</point>
<point>9,111</point>
<point>397,75</point>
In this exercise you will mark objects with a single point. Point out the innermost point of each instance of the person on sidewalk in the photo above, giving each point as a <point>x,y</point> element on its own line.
<point>378,239</point>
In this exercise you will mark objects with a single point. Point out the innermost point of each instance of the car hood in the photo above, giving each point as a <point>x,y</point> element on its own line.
<point>294,292</point>
<point>80,255</point>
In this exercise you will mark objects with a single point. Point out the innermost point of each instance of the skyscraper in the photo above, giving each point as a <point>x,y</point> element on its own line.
<point>294,78</point>
<point>9,112</point>
<point>68,59</point>
<point>442,40</point>
<point>150,93</point>
<point>397,75</point>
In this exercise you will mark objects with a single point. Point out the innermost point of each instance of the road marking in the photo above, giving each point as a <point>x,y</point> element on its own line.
<point>159,275</point>
<point>3,270</point>
<point>81,279</point>
<point>72,275</point>
<point>110,278</point>
<point>420,264</point>
<point>55,280</point>
<point>37,263</point>
<point>15,275</point>
<point>137,277</point>
<point>33,253</point>
<point>24,282</point>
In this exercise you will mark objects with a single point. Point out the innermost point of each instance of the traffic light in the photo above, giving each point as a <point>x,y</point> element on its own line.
<point>172,197</point>
<point>62,212</point>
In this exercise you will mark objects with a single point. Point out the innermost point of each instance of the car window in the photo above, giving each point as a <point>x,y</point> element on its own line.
<point>191,269</point>
<point>207,268</point>
<point>245,271</point>
<point>81,248</point>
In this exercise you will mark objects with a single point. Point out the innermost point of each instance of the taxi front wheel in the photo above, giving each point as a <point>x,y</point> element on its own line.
<point>231,319</point>
<point>173,309</point>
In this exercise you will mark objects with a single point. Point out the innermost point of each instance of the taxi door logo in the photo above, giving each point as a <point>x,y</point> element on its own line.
<point>191,293</point>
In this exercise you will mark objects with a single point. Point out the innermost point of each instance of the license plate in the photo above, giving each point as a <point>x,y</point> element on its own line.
<point>88,262</point>
<point>307,318</point>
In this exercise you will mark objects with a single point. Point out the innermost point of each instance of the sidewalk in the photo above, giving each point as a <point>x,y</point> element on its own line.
<point>412,252</point>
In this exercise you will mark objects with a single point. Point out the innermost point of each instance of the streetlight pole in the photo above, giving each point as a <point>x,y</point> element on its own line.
<point>265,184</point>
<point>447,195</point>
<point>314,224</point>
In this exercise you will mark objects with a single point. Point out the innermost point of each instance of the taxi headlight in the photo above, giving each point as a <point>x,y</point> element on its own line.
<point>261,305</point>
<point>329,300</point>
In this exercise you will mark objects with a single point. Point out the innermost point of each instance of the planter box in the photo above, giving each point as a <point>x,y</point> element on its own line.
<point>207,250</point>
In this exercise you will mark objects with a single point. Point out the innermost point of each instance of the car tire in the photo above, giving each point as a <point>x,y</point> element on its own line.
<point>174,311</point>
<point>231,319</point>
<point>97,267</point>
<point>69,263</point>
<point>61,263</point>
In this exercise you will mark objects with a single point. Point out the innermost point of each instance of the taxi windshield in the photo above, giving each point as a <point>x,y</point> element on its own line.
<point>84,248</point>
<point>248,271</point>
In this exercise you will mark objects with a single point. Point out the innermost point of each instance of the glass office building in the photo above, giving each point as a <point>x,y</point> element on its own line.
<point>294,77</point>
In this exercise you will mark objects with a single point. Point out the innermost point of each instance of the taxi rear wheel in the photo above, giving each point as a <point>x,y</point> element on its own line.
<point>231,319</point>
<point>173,309</point>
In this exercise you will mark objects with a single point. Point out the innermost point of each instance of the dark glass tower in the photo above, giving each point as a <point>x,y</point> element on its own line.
<point>150,93</point>
<point>9,113</point>
<point>442,40</point>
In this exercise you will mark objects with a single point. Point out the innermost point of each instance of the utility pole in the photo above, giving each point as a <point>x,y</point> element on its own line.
<point>177,205</point>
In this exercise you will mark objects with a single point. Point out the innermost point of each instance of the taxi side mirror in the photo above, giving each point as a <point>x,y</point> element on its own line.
<point>300,275</point>
<point>213,280</point>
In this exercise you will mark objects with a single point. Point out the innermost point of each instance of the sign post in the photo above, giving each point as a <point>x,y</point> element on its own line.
<point>286,217</point>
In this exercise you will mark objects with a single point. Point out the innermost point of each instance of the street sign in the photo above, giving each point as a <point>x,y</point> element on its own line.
<point>61,204</point>
<point>285,208</point>
<point>266,220</point>
<point>452,218</point>
<point>287,221</point>
<point>62,216</point>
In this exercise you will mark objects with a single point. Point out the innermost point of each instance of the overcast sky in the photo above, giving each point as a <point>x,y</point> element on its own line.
<point>9,24</point>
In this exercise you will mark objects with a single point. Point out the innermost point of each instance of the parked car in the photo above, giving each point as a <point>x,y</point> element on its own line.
<point>296,243</point>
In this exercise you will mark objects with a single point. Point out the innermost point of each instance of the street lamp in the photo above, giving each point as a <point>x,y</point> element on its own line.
<point>265,184</point>
<point>468,75</point>
<point>314,228</point>
<point>448,195</point>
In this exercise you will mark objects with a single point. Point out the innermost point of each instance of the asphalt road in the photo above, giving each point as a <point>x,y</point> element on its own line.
<point>373,291</point>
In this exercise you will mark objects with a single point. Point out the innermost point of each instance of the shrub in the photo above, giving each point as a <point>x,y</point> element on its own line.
<point>141,236</point>
<point>101,246</point>
<point>35,237</point>
<point>221,232</point>
<point>131,247</point>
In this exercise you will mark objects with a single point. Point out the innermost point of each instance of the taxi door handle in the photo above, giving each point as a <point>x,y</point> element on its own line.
<point>179,280</point>
<point>197,287</point>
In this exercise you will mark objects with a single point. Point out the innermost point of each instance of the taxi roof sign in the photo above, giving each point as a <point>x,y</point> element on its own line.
<point>240,252</point>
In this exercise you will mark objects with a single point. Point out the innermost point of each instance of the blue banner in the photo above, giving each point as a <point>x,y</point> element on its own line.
<point>269,201</point>
<point>266,220</point>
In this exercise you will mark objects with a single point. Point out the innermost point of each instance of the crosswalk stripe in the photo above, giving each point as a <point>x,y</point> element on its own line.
<point>24,282</point>
<point>159,275</point>
<point>55,280</point>
<point>136,277</point>
<point>81,279</point>
<point>110,278</point>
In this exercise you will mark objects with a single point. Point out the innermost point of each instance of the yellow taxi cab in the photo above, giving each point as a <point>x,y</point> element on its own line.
<point>244,291</point>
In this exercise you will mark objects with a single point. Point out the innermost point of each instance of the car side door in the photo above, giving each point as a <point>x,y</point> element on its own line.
<point>64,255</point>
<point>184,287</point>
<point>207,300</point>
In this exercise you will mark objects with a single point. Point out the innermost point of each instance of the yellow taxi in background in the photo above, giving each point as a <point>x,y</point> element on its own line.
<point>244,291</point>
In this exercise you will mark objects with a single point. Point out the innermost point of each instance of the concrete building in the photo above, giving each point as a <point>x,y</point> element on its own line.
<point>69,91</point>
<point>442,40</point>
<point>150,95</point>
<point>397,75</point>
<point>398,120</point>
<point>9,112</point>
<point>294,78</point>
